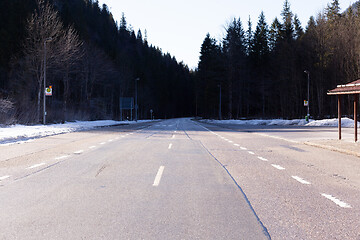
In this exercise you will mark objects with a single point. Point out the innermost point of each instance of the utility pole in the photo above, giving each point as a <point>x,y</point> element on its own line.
<point>44,92</point>
<point>219,101</point>
<point>308,95</point>
<point>136,103</point>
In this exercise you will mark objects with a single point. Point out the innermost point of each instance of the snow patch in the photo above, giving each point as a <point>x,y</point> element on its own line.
<point>345,122</point>
<point>20,133</point>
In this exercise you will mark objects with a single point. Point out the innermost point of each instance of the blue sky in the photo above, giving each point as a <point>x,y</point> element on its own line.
<point>179,27</point>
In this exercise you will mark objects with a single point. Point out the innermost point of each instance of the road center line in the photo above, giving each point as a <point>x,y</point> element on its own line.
<point>336,201</point>
<point>4,177</point>
<point>299,179</point>
<point>278,167</point>
<point>36,165</point>
<point>158,176</point>
<point>263,159</point>
<point>170,145</point>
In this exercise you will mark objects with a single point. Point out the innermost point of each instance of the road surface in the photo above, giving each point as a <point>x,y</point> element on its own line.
<point>176,179</point>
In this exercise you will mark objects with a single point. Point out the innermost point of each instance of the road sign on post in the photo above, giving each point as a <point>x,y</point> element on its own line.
<point>48,91</point>
<point>306,103</point>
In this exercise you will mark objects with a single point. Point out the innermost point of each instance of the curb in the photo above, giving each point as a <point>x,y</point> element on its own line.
<point>334,149</point>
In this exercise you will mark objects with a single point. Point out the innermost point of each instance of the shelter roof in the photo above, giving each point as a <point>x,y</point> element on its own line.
<point>350,88</point>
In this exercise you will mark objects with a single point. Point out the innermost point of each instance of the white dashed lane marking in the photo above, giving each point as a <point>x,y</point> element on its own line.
<point>243,148</point>
<point>299,179</point>
<point>278,167</point>
<point>336,201</point>
<point>79,152</point>
<point>61,157</point>
<point>170,145</point>
<point>36,165</point>
<point>158,176</point>
<point>237,145</point>
<point>250,152</point>
<point>263,159</point>
<point>4,177</point>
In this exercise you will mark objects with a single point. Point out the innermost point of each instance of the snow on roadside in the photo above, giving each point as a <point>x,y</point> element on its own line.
<point>22,133</point>
<point>345,122</point>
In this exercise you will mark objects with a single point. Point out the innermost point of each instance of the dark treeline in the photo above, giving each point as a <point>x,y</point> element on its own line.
<point>92,61</point>
<point>261,70</point>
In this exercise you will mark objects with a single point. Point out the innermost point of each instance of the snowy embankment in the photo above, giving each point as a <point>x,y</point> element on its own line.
<point>345,122</point>
<point>21,133</point>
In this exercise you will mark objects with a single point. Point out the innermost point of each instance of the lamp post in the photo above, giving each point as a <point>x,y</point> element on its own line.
<point>308,94</point>
<point>219,101</point>
<point>44,98</point>
<point>136,103</point>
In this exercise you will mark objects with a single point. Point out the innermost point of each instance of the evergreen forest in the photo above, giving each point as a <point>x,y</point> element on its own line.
<point>94,63</point>
<point>262,69</point>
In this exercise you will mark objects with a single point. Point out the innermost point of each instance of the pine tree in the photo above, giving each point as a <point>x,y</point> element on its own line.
<point>260,57</point>
<point>298,28</point>
<point>234,50</point>
<point>287,26</point>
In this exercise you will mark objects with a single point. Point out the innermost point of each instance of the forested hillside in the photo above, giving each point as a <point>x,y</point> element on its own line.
<point>261,69</point>
<point>91,61</point>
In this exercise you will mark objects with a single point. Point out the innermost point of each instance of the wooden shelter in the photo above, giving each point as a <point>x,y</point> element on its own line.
<point>352,88</point>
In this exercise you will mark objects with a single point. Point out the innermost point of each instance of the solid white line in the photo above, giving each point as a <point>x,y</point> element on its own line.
<point>299,179</point>
<point>263,159</point>
<point>92,147</point>
<point>250,152</point>
<point>158,176</point>
<point>79,152</point>
<point>4,177</point>
<point>336,201</point>
<point>278,167</point>
<point>170,145</point>
<point>61,157</point>
<point>36,165</point>
<point>242,148</point>
<point>235,144</point>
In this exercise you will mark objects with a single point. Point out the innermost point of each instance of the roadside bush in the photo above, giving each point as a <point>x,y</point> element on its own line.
<point>7,112</point>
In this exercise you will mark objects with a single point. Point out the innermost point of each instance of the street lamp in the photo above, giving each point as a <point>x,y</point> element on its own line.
<point>219,101</point>
<point>44,98</point>
<point>308,95</point>
<point>136,104</point>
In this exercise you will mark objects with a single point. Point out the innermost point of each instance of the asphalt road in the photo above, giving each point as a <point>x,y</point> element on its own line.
<point>148,181</point>
<point>178,179</point>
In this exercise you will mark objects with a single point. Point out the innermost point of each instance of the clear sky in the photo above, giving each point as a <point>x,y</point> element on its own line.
<point>179,27</point>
